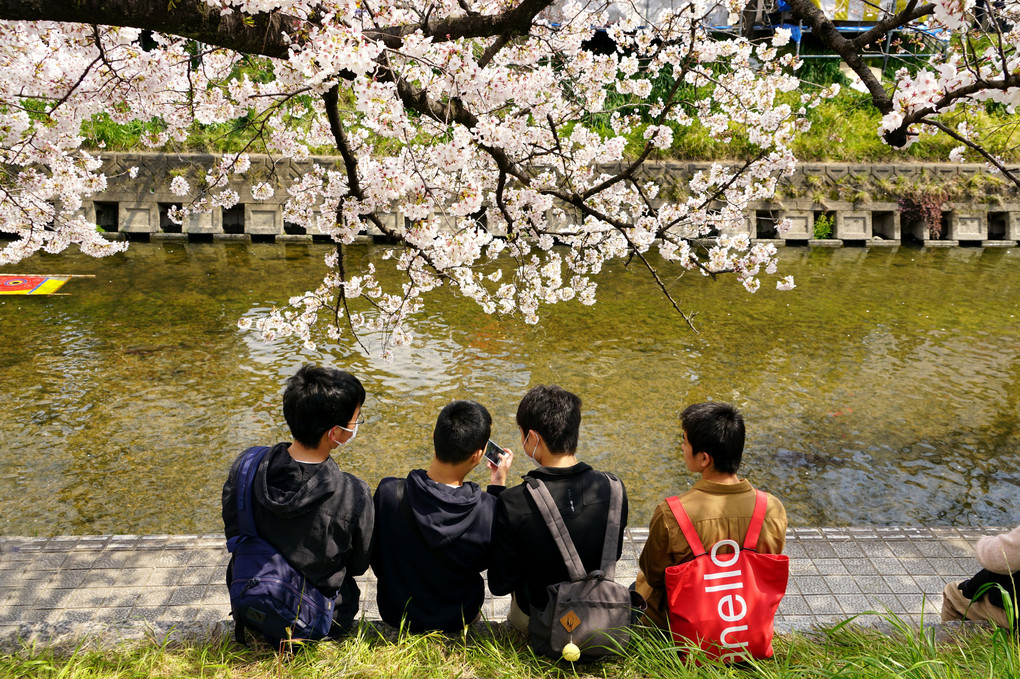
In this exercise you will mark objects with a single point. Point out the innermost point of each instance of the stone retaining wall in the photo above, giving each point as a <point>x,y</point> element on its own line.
<point>989,216</point>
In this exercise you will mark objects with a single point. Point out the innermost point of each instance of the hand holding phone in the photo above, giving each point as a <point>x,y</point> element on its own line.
<point>498,461</point>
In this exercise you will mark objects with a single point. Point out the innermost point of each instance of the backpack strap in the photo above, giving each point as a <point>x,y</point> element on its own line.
<point>554,520</point>
<point>611,545</point>
<point>245,485</point>
<point>757,521</point>
<point>680,514</point>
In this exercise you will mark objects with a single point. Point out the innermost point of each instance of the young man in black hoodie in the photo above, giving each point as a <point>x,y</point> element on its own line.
<point>433,528</point>
<point>318,517</point>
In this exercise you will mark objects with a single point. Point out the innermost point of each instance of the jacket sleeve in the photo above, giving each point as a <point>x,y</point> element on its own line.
<point>359,558</point>
<point>656,557</point>
<point>504,571</point>
<point>1000,553</point>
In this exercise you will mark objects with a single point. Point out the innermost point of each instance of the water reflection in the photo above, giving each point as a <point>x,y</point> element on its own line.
<point>885,389</point>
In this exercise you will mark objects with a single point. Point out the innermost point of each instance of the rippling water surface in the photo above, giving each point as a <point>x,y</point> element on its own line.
<point>885,389</point>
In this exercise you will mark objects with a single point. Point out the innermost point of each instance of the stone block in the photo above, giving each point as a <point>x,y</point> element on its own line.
<point>967,226</point>
<point>208,222</point>
<point>853,225</point>
<point>263,219</point>
<point>802,225</point>
<point>138,217</point>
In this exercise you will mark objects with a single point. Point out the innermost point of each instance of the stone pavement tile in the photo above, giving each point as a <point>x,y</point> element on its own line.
<point>123,596</point>
<point>32,614</point>
<point>96,542</point>
<point>165,577</point>
<point>153,596</point>
<point>932,548</point>
<point>64,578</point>
<point>145,613</point>
<point>842,584</point>
<point>824,604</point>
<point>51,598</point>
<point>889,566</point>
<point>9,614</point>
<point>133,577</point>
<point>209,557</point>
<point>153,541</point>
<point>918,566</point>
<point>963,568</point>
<point>118,614</point>
<point>877,549</point>
<point>794,623</point>
<point>187,595</point>
<point>859,567</point>
<point>903,549</point>
<point>830,566</point>
<point>44,562</point>
<point>124,542</point>
<point>848,550</point>
<point>853,604</point>
<point>626,571</point>
<point>800,567</point>
<point>882,602</point>
<point>114,559</point>
<point>933,583</point>
<point>87,598</point>
<point>203,575</point>
<point>102,577</point>
<point>873,585</point>
<point>174,557</point>
<point>819,550</point>
<point>794,550</point>
<point>79,615</point>
<point>78,560</point>
<point>181,613</point>
<point>216,595</point>
<point>13,578</point>
<point>900,583</point>
<point>794,605</point>
<point>812,585</point>
<point>60,543</point>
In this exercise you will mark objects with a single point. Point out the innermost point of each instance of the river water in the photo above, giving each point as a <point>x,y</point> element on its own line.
<point>884,390</point>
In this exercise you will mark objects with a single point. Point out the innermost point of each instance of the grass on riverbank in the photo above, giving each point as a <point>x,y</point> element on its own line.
<point>840,651</point>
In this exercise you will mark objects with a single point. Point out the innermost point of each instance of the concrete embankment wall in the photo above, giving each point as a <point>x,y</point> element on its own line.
<point>859,201</point>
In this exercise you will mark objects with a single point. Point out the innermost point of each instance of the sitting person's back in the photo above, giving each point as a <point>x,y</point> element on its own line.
<point>525,558</point>
<point>433,529</point>
<point>720,504</point>
<point>318,517</point>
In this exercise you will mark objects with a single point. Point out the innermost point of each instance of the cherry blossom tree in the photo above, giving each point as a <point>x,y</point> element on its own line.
<point>486,123</point>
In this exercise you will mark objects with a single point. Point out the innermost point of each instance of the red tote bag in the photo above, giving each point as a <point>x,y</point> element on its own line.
<point>726,603</point>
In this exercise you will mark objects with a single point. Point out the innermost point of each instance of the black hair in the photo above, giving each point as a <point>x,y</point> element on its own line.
<point>555,414</point>
<point>716,429</point>
<point>461,428</point>
<point>317,399</point>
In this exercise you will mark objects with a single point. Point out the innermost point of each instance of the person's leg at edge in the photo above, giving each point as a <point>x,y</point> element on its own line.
<point>955,606</point>
<point>517,617</point>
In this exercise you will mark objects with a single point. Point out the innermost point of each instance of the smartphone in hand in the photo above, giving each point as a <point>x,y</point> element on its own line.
<point>493,453</point>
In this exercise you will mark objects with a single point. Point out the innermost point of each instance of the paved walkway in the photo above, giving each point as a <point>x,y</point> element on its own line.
<point>60,589</point>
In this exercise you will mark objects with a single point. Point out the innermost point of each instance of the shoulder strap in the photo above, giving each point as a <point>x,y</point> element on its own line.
<point>680,514</point>
<point>553,519</point>
<point>611,545</point>
<point>244,486</point>
<point>757,521</point>
<point>405,508</point>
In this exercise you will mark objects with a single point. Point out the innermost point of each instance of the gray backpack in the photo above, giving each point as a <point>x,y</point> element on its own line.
<point>590,610</point>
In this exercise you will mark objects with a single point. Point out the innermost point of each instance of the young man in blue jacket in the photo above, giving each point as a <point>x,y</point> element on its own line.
<point>433,528</point>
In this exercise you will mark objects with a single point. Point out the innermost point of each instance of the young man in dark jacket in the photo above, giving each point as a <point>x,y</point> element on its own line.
<point>433,528</point>
<point>525,559</point>
<point>318,517</point>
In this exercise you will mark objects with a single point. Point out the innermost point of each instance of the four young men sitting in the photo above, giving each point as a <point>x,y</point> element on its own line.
<point>429,536</point>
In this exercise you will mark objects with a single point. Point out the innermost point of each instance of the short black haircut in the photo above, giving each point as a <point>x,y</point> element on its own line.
<point>555,414</point>
<point>461,428</point>
<point>317,399</point>
<point>716,429</point>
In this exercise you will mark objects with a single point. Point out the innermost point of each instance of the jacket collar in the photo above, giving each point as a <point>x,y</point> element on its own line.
<point>551,473</point>
<point>723,488</point>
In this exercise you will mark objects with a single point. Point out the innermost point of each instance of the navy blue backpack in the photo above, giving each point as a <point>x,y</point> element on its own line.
<point>267,594</point>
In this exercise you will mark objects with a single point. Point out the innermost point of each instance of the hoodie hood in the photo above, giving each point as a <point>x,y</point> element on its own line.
<point>442,513</point>
<point>289,488</point>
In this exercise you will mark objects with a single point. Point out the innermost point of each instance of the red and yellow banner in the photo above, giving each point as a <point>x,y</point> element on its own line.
<point>31,285</point>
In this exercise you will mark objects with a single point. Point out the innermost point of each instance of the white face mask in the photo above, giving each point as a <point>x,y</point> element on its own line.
<point>530,456</point>
<point>354,433</point>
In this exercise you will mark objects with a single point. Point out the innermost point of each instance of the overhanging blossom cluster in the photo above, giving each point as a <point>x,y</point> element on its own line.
<point>506,147</point>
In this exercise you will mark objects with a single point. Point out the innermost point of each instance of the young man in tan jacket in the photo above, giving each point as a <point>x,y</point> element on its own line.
<point>720,504</point>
